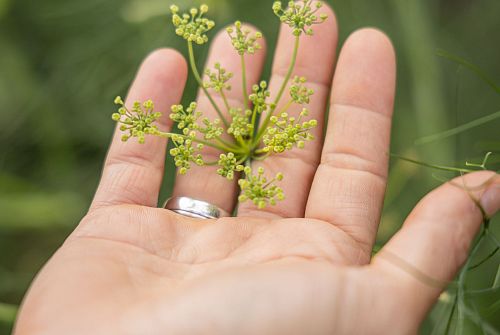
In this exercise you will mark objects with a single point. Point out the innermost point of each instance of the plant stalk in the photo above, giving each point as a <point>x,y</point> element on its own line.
<point>200,83</point>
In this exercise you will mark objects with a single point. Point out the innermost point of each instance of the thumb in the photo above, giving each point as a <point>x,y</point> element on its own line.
<point>435,240</point>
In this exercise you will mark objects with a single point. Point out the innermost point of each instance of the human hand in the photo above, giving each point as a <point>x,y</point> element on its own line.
<point>301,267</point>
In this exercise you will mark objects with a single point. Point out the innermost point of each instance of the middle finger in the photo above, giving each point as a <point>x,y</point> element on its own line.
<point>315,62</point>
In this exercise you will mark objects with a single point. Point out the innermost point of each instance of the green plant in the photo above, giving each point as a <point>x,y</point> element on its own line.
<point>259,129</point>
<point>458,299</point>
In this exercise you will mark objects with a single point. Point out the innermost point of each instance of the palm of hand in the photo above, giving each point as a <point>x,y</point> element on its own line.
<point>155,263</point>
<point>302,267</point>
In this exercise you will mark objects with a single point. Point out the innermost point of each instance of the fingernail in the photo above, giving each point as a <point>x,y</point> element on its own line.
<point>491,200</point>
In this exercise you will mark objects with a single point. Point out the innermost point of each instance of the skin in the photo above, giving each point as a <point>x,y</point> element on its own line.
<point>302,267</point>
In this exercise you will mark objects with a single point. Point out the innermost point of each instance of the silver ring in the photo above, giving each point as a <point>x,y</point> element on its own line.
<point>194,208</point>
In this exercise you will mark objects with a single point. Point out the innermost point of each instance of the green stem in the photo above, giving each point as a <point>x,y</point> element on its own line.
<point>242,160</point>
<point>200,83</point>
<point>484,260</point>
<point>211,163</point>
<point>254,120</point>
<point>221,147</point>
<point>450,317</point>
<point>461,280</point>
<point>227,144</point>
<point>289,73</point>
<point>478,71</point>
<point>260,151</point>
<point>261,158</point>
<point>281,91</point>
<point>242,142</point>
<point>244,81</point>
<point>248,163</point>
<point>459,129</point>
<point>438,167</point>
<point>224,98</point>
<point>285,108</point>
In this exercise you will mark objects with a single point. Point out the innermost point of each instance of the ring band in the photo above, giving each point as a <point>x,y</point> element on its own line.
<point>194,208</point>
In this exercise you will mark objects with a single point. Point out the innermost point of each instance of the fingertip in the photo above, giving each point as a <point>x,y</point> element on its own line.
<point>166,63</point>
<point>161,77</point>
<point>366,72</point>
<point>491,198</point>
<point>372,37</point>
<point>462,196</point>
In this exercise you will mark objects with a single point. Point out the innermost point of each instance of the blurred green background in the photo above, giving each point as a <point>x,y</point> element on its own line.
<point>63,61</point>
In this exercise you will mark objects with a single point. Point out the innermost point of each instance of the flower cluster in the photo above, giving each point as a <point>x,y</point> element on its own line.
<point>210,129</point>
<point>240,126</point>
<point>228,165</point>
<point>259,96</point>
<point>259,189</point>
<point>192,26</point>
<point>218,79</point>
<point>299,92</point>
<point>300,15</point>
<point>186,119</point>
<point>185,153</point>
<point>240,134</point>
<point>242,39</point>
<point>138,122</point>
<point>288,132</point>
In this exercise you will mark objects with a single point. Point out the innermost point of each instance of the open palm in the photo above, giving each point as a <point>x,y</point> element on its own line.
<point>301,267</point>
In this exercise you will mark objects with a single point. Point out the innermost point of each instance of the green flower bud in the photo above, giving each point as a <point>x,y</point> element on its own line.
<point>300,17</point>
<point>192,26</point>
<point>118,101</point>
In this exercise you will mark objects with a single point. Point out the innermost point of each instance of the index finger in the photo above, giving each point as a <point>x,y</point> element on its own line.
<point>133,172</point>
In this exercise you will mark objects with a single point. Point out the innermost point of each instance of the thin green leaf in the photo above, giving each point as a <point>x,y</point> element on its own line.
<point>496,282</point>
<point>474,68</point>
<point>484,260</point>
<point>458,130</point>
<point>482,291</point>
<point>476,318</point>
<point>437,167</point>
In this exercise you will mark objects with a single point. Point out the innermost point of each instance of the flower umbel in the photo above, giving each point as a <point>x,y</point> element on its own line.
<point>254,129</point>
<point>218,79</point>
<point>288,132</point>
<point>259,189</point>
<point>192,26</point>
<point>229,165</point>
<point>137,122</point>
<point>186,119</point>
<point>259,97</point>
<point>242,39</point>
<point>300,15</point>
<point>185,153</point>
<point>299,92</point>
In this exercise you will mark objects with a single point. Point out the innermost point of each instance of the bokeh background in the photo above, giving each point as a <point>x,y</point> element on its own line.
<point>63,61</point>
